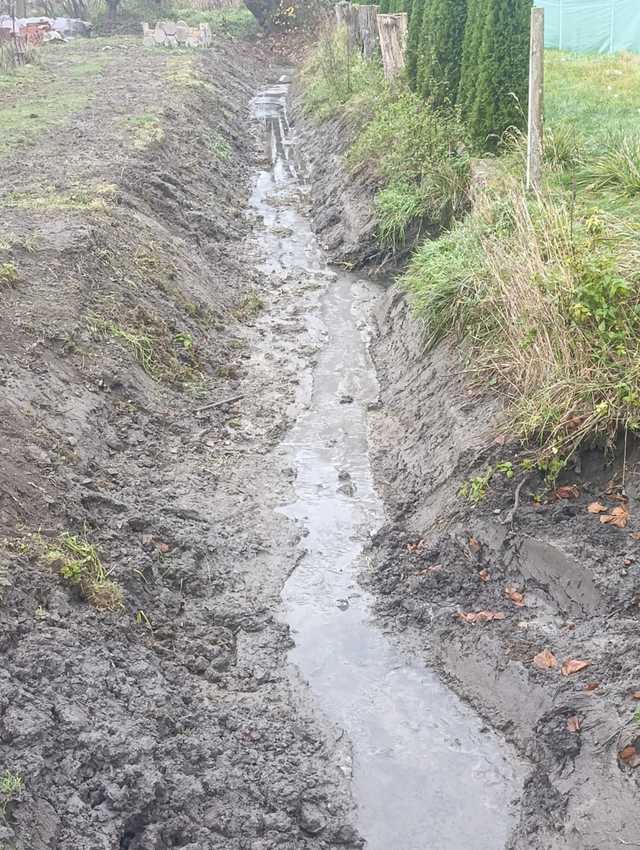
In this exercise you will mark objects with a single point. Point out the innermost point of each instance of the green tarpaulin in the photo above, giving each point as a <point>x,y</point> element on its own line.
<point>592,26</point>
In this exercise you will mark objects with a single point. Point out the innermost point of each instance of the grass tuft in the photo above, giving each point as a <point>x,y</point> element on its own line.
<point>8,275</point>
<point>78,563</point>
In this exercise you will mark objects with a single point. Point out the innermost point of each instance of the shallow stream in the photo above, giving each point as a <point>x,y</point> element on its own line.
<point>427,773</point>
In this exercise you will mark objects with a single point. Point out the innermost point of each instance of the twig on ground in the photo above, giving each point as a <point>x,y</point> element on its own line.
<point>516,502</point>
<point>221,403</point>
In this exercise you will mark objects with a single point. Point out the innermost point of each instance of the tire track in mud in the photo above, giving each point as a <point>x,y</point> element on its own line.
<point>426,772</point>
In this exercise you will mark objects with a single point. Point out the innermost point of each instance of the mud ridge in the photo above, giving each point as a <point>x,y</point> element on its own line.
<point>139,310</point>
<point>438,555</point>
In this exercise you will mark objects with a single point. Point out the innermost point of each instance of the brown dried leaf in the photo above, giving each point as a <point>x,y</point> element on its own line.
<point>574,724</point>
<point>474,545</point>
<point>619,517</point>
<point>164,548</point>
<point>635,535</point>
<point>574,665</point>
<point>434,568</point>
<point>635,695</point>
<point>480,616</point>
<point>515,596</point>
<point>591,686</point>
<point>567,491</point>
<point>545,660</point>
<point>596,508</point>
<point>484,575</point>
<point>630,756</point>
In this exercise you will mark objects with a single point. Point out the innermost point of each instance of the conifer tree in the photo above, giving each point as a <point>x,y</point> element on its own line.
<point>440,50</point>
<point>499,98</point>
<point>413,39</point>
<point>476,16</point>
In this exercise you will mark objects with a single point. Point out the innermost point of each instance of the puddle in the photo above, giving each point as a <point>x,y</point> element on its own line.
<point>426,773</point>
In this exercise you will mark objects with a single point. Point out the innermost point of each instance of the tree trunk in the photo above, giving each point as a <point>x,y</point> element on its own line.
<point>368,29</point>
<point>392,30</point>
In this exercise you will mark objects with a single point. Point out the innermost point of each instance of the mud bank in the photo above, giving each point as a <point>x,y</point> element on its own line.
<point>439,555</point>
<point>149,368</point>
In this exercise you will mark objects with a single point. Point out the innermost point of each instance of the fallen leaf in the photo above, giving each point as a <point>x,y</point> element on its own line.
<point>474,545</point>
<point>480,616</point>
<point>501,440</point>
<point>545,660</point>
<point>592,686</point>
<point>574,724</point>
<point>515,596</point>
<point>484,575</point>
<point>596,508</point>
<point>635,535</point>
<point>163,547</point>
<point>573,665</point>
<point>636,695</point>
<point>618,517</point>
<point>434,568</point>
<point>568,491</point>
<point>630,756</point>
<point>628,561</point>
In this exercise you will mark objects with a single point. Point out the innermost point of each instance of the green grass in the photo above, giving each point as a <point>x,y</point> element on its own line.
<point>597,95</point>
<point>11,783</point>
<point>33,99</point>
<point>78,563</point>
<point>546,289</point>
<point>88,198</point>
<point>416,153</point>
<point>145,130</point>
<point>8,275</point>
<point>165,357</point>
<point>237,22</point>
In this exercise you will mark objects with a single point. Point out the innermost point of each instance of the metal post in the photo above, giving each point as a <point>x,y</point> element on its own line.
<point>536,92</point>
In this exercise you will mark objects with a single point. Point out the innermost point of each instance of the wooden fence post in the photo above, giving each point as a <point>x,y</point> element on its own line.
<point>342,12</point>
<point>535,129</point>
<point>392,30</point>
<point>368,29</point>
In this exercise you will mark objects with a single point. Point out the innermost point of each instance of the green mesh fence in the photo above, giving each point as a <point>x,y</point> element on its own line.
<point>592,26</point>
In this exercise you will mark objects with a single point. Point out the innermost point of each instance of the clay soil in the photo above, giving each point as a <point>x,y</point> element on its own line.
<point>139,411</point>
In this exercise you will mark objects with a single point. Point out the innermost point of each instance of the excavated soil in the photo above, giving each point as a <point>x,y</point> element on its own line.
<point>149,367</point>
<point>157,371</point>
<point>438,555</point>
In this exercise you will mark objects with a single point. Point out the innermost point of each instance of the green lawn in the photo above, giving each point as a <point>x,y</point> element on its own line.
<point>595,95</point>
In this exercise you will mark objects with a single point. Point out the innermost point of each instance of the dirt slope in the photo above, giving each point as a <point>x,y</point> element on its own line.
<point>575,580</point>
<point>131,308</point>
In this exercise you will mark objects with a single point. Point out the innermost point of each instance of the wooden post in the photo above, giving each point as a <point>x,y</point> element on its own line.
<point>343,10</point>
<point>392,30</point>
<point>368,29</point>
<point>535,130</point>
<point>347,16</point>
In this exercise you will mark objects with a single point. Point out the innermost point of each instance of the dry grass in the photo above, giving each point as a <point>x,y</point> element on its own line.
<point>551,307</point>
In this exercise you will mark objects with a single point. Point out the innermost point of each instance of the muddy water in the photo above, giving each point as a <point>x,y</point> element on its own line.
<point>427,775</point>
